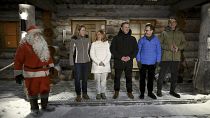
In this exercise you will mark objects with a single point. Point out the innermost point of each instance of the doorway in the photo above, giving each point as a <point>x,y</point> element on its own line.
<point>91,26</point>
<point>9,34</point>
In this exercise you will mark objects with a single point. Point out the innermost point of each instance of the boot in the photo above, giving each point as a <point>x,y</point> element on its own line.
<point>35,108</point>
<point>174,94</point>
<point>103,96</point>
<point>85,96</point>
<point>45,106</point>
<point>159,94</point>
<point>78,98</point>
<point>130,95</point>
<point>152,95</point>
<point>141,96</point>
<point>116,94</point>
<point>98,96</point>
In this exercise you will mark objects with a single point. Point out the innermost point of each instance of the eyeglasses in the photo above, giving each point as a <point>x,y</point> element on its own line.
<point>147,30</point>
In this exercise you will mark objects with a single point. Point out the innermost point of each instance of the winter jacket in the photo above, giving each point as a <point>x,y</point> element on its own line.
<point>169,38</point>
<point>100,52</point>
<point>81,45</point>
<point>123,45</point>
<point>149,50</point>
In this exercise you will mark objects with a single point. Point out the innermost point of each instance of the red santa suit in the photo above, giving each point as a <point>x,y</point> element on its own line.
<point>32,60</point>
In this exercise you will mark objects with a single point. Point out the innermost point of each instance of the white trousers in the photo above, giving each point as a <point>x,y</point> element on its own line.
<point>100,82</point>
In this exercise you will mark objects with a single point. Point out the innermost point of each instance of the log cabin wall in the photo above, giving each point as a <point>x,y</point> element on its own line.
<point>191,27</point>
<point>114,15</point>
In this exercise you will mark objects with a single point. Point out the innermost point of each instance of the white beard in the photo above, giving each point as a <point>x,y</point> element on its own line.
<point>39,45</point>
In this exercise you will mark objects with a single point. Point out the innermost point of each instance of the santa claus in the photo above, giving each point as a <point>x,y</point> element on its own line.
<point>33,64</point>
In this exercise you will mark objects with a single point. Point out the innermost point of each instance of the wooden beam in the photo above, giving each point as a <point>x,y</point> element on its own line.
<point>48,5</point>
<point>185,4</point>
<point>114,11</point>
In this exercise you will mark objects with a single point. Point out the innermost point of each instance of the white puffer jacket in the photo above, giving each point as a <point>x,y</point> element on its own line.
<point>100,52</point>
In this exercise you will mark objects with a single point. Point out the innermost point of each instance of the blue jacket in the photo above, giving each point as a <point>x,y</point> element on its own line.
<point>149,50</point>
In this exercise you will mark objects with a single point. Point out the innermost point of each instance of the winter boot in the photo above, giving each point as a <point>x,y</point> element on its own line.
<point>159,93</point>
<point>98,96</point>
<point>174,94</point>
<point>85,96</point>
<point>45,106</point>
<point>116,94</point>
<point>152,95</point>
<point>130,95</point>
<point>35,108</point>
<point>78,98</point>
<point>103,96</point>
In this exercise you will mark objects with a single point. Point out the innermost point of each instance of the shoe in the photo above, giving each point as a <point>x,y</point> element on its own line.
<point>141,96</point>
<point>98,96</point>
<point>174,94</point>
<point>35,113</point>
<point>152,95</point>
<point>159,94</point>
<point>130,95</point>
<point>103,96</point>
<point>45,106</point>
<point>85,96</point>
<point>78,98</point>
<point>116,94</point>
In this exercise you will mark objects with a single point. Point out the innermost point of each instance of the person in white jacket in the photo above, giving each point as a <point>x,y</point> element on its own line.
<point>100,55</point>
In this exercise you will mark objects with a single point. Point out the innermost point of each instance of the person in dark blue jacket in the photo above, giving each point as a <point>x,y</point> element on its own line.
<point>149,55</point>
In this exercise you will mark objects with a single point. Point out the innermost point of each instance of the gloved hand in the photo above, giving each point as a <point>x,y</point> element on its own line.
<point>52,69</point>
<point>19,79</point>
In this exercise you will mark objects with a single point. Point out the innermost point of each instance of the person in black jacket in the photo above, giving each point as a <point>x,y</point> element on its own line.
<point>123,48</point>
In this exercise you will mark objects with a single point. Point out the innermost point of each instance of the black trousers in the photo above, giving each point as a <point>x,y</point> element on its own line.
<point>128,76</point>
<point>147,71</point>
<point>166,67</point>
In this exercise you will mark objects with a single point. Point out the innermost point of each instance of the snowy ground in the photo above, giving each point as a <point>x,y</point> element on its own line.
<point>190,105</point>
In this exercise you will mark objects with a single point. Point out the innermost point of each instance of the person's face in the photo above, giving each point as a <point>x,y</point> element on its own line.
<point>172,24</point>
<point>99,36</point>
<point>125,28</point>
<point>82,31</point>
<point>148,32</point>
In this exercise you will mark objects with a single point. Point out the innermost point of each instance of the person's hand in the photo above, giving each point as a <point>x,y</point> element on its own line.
<point>19,79</point>
<point>51,70</point>
<point>172,48</point>
<point>123,58</point>
<point>101,64</point>
<point>127,58</point>
<point>176,48</point>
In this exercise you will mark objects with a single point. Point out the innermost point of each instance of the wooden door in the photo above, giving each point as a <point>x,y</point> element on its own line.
<point>9,34</point>
<point>91,26</point>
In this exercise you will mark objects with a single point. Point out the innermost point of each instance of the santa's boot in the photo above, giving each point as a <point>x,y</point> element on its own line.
<point>45,106</point>
<point>35,108</point>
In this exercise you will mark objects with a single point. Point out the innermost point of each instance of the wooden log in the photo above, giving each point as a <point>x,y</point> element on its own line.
<point>202,80</point>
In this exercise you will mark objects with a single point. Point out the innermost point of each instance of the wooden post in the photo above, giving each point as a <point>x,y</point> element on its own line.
<point>202,81</point>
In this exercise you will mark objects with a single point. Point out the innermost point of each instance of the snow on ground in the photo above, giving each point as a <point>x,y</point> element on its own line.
<point>19,108</point>
<point>13,105</point>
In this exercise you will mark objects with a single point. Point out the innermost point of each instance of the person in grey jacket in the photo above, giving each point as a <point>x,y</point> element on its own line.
<point>79,58</point>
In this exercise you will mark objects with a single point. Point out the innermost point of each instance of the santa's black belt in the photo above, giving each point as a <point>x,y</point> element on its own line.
<point>41,67</point>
